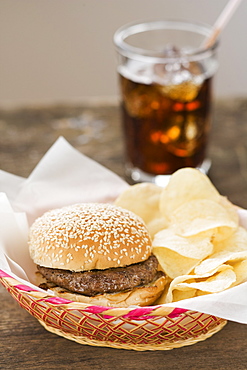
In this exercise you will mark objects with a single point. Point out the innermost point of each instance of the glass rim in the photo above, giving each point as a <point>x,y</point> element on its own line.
<point>141,54</point>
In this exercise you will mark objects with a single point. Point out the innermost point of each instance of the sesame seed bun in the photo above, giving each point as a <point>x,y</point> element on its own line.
<point>89,236</point>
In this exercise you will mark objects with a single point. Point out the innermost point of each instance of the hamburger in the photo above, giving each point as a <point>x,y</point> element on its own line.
<point>97,254</point>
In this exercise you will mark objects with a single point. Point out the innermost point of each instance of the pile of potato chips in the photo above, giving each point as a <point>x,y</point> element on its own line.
<point>196,234</point>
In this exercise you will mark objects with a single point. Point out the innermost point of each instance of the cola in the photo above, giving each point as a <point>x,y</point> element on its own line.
<point>166,117</point>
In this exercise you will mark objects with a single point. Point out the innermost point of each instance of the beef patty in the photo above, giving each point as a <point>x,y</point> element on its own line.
<point>112,280</point>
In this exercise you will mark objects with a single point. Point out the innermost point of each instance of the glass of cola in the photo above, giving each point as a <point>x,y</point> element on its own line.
<point>165,77</point>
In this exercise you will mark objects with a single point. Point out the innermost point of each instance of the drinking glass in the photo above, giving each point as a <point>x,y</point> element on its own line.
<point>165,77</point>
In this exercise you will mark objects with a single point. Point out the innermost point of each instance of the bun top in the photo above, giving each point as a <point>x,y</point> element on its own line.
<point>89,236</point>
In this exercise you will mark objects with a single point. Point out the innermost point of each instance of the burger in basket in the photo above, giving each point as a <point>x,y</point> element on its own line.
<point>96,253</point>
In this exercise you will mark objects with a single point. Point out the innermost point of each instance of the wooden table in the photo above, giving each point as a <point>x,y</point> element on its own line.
<point>25,136</point>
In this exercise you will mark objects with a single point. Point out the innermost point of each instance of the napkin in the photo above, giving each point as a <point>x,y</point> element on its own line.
<point>65,176</point>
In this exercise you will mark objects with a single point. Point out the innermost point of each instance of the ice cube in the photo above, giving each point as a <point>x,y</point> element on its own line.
<point>178,79</point>
<point>191,130</point>
<point>142,101</point>
<point>184,92</point>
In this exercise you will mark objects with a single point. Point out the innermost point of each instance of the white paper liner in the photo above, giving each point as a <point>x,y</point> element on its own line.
<point>64,176</point>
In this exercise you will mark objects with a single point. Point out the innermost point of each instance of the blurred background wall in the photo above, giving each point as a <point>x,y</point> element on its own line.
<point>60,50</point>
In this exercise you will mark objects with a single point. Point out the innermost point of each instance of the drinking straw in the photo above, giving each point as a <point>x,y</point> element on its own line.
<point>221,22</point>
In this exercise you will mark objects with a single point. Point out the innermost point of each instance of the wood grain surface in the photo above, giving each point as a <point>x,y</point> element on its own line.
<point>25,135</point>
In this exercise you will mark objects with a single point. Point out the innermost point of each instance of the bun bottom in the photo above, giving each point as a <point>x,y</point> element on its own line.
<point>140,296</point>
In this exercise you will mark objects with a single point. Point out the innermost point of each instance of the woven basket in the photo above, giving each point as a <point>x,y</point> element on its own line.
<point>144,328</point>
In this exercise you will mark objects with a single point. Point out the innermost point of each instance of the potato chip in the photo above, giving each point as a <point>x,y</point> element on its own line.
<point>196,234</point>
<point>186,293</point>
<point>185,282</point>
<point>177,295</point>
<point>155,225</point>
<point>193,247</point>
<point>202,215</point>
<point>231,208</point>
<point>214,284</point>
<point>240,269</point>
<point>219,259</point>
<point>185,185</point>
<point>172,263</point>
<point>229,250</point>
<point>143,200</point>
<point>201,292</point>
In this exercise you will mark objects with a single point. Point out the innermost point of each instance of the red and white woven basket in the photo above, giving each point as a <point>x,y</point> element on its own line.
<point>144,328</point>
